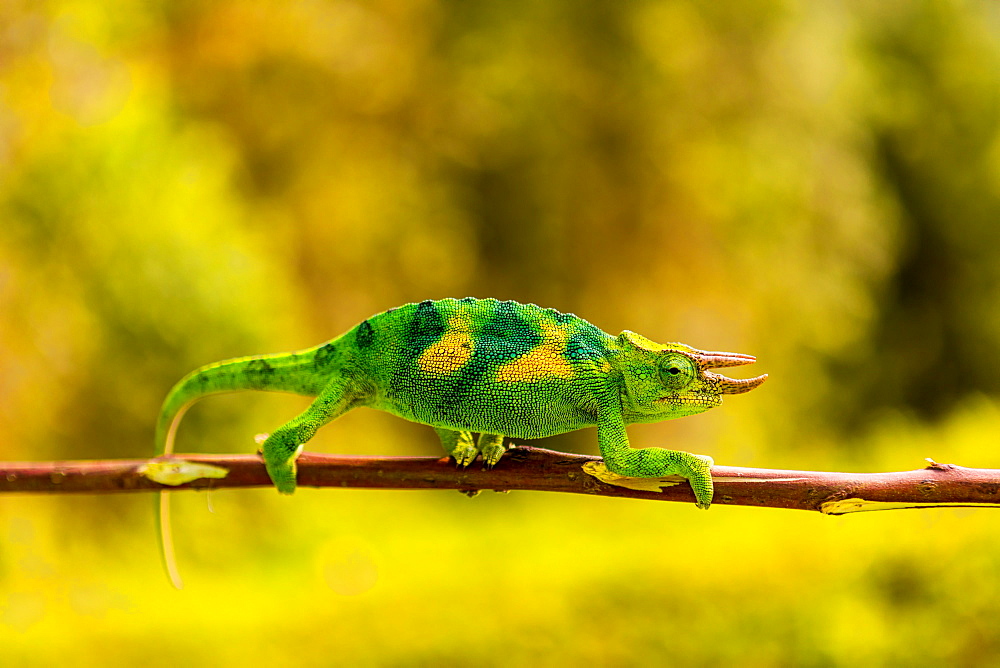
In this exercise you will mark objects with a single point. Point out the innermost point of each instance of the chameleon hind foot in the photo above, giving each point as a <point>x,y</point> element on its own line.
<point>280,465</point>
<point>464,456</point>
<point>458,444</point>
<point>284,477</point>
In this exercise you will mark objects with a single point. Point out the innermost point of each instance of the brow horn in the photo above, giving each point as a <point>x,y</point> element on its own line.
<point>735,385</point>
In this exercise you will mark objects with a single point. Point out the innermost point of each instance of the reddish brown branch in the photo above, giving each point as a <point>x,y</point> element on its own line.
<point>526,468</point>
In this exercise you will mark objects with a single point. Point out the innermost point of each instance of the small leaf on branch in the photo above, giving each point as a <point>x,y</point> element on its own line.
<point>601,472</point>
<point>175,472</point>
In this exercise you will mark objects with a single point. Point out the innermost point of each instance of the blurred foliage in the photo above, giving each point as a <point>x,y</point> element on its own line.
<point>813,183</point>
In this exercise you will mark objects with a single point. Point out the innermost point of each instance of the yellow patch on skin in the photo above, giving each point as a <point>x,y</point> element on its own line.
<point>452,351</point>
<point>642,343</point>
<point>546,360</point>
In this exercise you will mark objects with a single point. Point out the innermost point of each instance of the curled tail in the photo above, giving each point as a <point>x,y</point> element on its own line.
<point>299,373</point>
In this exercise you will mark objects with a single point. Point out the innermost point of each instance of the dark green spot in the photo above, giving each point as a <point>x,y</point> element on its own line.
<point>258,373</point>
<point>512,334</point>
<point>259,366</point>
<point>585,345</point>
<point>364,335</point>
<point>425,329</point>
<point>324,355</point>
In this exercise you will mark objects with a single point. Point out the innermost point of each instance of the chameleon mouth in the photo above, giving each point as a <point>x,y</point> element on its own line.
<point>700,399</point>
<point>725,384</point>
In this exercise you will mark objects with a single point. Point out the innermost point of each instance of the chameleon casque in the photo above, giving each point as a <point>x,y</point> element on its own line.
<point>494,368</point>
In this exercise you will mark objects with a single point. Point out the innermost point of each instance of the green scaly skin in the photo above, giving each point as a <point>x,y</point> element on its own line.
<point>499,369</point>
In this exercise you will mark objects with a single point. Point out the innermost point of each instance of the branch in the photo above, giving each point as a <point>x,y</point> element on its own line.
<point>522,468</point>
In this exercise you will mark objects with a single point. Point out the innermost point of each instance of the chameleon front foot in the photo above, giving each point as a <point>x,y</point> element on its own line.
<point>658,462</point>
<point>492,447</point>
<point>699,475</point>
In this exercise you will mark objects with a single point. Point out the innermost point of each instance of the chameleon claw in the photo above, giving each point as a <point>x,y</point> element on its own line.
<point>465,456</point>
<point>492,456</point>
<point>492,447</point>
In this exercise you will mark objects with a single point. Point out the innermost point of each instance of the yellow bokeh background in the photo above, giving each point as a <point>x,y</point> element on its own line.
<point>812,183</point>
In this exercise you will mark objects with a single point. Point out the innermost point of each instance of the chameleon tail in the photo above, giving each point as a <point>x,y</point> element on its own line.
<point>173,410</point>
<point>282,372</point>
<point>170,418</point>
<point>165,536</point>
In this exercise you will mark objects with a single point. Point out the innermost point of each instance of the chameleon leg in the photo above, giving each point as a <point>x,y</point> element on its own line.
<point>283,446</point>
<point>624,460</point>
<point>458,444</point>
<point>491,445</point>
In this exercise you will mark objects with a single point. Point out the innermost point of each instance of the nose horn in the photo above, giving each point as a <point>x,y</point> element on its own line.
<point>716,360</point>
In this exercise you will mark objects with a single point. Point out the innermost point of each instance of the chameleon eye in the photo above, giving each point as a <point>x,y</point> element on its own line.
<point>676,371</point>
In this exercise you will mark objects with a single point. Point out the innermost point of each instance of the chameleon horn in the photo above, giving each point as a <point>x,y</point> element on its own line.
<point>734,385</point>
<point>716,360</point>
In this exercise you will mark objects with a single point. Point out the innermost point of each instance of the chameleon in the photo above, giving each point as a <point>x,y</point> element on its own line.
<point>499,369</point>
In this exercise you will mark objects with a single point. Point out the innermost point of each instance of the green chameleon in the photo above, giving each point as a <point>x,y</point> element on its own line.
<point>500,369</point>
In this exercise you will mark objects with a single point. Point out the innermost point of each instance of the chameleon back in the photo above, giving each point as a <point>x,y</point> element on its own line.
<point>483,365</point>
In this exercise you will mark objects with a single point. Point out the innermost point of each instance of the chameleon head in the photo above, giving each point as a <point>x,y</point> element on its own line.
<point>664,381</point>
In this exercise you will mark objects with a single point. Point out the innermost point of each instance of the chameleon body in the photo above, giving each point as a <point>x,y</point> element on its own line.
<point>496,368</point>
<point>481,366</point>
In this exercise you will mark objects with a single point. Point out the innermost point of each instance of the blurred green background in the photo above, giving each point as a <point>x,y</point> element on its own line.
<point>813,183</point>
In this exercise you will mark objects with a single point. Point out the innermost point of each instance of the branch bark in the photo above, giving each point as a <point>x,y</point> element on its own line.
<point>528,468</point>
